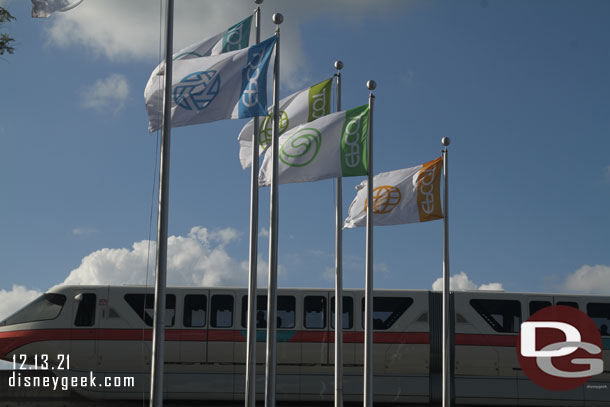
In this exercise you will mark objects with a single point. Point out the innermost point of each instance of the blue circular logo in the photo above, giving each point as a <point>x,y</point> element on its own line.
<point>197,90</point>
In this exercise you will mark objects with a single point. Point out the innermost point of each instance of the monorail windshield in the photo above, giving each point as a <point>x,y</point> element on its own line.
<point>47,306</point>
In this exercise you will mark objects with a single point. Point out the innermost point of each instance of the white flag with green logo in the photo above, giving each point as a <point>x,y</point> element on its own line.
<point>329,147</point>
<point>298,108</point>
<point>233,38</point>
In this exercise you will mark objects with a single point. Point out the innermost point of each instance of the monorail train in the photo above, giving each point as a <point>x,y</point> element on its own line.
<point>107,330</point>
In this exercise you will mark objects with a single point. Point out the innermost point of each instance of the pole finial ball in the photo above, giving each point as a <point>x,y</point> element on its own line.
<point>371,85</point>
<point>446,141</point>
<point>278,18</point>
<point>258,1</point>
<point>338,65</point>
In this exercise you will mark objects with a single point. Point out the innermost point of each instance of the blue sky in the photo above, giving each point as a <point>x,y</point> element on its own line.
<point>521,88</point>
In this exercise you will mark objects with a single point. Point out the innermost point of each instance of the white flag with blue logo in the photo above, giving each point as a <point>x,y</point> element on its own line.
<point>232,39</point>
<point>227,86</point>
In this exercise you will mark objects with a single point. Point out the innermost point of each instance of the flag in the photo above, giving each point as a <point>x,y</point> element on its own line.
<point>403,196</point>
<point>298,108</point>
<point>232,39</point>
<point>44,8</point>
<point>328,147</point>
<point>232,85</point>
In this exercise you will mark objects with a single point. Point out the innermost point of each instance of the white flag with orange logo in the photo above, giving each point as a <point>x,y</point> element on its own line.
<point>403,196</point>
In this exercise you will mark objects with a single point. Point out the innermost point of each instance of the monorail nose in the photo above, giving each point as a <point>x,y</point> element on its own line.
<point>9,341</point>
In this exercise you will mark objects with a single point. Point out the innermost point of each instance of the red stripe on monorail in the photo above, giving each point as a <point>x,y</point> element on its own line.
<point>9,341</point>
<point>385,337</point>
<point>486,340</point>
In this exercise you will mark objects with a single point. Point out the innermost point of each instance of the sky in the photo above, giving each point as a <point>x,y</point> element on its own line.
<point>521,88</point>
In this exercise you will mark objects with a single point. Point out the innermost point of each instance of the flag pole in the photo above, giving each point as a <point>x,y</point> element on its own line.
<point>273,232</point>
<point>446,277</point>
<point>368,302</point>
<point>250,396</point>
<point>339,270</point>
<point>158,339</point>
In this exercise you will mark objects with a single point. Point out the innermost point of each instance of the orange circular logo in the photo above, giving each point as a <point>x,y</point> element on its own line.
<point>385,198</point>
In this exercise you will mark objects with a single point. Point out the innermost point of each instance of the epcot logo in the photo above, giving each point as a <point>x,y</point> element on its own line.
<point>197,90</point>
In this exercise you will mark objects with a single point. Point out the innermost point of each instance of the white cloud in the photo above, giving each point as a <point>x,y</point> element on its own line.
<point>82,231</point>
<point>461,282</point>
<point>264,232</point>
<point>106,95</point>
<point>381,268</point>
<point>15,298</point>
<point>127,30</point>
<point>589,279</point>
<point>491,287</point>
<point>197,259</point>
<point>607,173</point>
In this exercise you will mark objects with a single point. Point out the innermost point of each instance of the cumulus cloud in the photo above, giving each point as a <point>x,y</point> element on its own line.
<point>82,231</point>
<point>461,282</point>
<point>132,29</point>
<point>198,259</point>
<point>589,279</point>
<point>15,298</point>
<point>106,95</point>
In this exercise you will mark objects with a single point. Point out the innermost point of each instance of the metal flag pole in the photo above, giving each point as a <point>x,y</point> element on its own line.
<point>368,296</point>
<point>158,340</point>
<point>339,270</point>
<point>446,275</point>
<point>273,232</point>
<point>250,391</point>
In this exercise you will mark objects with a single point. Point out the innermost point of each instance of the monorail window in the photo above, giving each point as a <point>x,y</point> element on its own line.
<point>47,306</point>
<point>222,311</point>
<point>536,306</point>
<point>501,315</point>
<point>144,307</point>
<point>600,314</point>
<point>285,314</point>
<point>348,312</point>
<point>387,310</point>
<point>85,315</point>
<point>568,304</point>
<point>315,312</point>
<point>195,308</point>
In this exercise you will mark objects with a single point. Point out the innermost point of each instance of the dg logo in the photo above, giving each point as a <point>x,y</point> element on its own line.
<point>197,90</point>
<point>560,348</point>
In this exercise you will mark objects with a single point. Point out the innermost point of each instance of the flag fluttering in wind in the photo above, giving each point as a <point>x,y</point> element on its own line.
<point>44,8</point>
<point>329,147</point>
<point>233,38</point>
<point>403,196</point>
<point>299,108</point>
<point>232,85</point>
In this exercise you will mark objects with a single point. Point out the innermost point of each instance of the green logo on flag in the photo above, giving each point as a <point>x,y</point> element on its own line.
<point>353,141</point>
<point>301,148</point>
<point>319,100</point>
<point>237,36</point>
<point>265,132</point>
